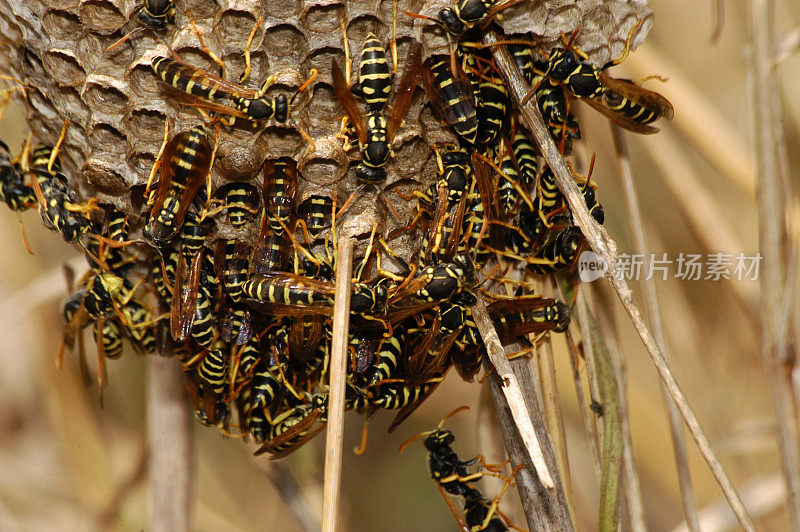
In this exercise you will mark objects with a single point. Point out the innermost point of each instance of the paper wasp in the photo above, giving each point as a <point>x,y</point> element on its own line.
<point>17,195</point>
<point>187,160</point>
<point>452,97</point>
<point>241,202</point>
<point>452,478</point>
<point>244,103</point>
<point>374,132</point>
<point>467,13</point>
<point>622,101</point>
<point>271,252</point>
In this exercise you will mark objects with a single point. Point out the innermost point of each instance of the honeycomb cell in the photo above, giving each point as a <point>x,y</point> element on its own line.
<point>281,9</point>
<point>200,9</point>
<point>68,101</point>
<point>140,164</point>
<point>359,28</point>
<point>105,94</point>
<point>64,67</point>
<point>92,48</point>
<point>145,125</point>
<point>323,18</point>
<point>32,68</point>
<point>286,44</point>
<point>143,81</point>
<point>259,67</point>
<point>107,137</point>
<point>238,162</point>
<point>234,24</point>
<point>324,116</point>
<point>104,175</point>
<point>62,23</point>
<point>326,164</point>
<point>103,16</point>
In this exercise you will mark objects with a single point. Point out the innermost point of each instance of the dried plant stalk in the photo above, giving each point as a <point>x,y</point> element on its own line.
<point>605,247</point>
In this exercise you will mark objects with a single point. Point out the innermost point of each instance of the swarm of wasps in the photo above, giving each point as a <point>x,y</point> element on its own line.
<point>252,321</point>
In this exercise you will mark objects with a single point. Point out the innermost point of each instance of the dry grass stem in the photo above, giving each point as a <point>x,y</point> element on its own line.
<point>513,393</point>
<point>553,413</point>
<point>633,492</point>
<point>700,208</point>
<point>764,495</point>
<point>772,212</point>
<point>290,492</point>
<point>605,247</point>
<point>588,423</point>
<point>338,373</point>
<point>545,509</point>
<point>169,439</point>
<point>654,317</point>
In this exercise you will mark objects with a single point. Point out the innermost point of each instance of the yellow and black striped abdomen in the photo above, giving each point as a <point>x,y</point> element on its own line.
<point>187,79</point>
<point>374,75</point>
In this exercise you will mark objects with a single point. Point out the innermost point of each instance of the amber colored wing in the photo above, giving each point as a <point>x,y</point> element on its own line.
<point>348,101</point>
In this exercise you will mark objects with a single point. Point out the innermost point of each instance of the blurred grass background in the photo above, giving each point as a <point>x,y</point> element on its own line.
<point>64,460</point>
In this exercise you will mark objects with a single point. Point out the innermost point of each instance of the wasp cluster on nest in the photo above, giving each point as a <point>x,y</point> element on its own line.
<point>207,156</point>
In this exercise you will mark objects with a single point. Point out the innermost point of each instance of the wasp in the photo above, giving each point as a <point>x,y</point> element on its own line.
<point>317,215</point>
<point>452,477</point>
<point>279,192</point>
<point>232,255</point>
<point>187,163</point>
<point>57,205</point>
<point>153,14</point>
<point>467,13</point>
<point>438,283</point>
<point>291,430</point>
<point>244,102</point>
<point>526,315</point>
<point>17,195</point>
<point>213,368</point>
<point>560,253</point>
<point>283,292</point>
<point>452,97</point>
<point>241,202</point>
<point>491,94</point>
<point>622,101</point>
<point>156,14</point>
<point>455,176</point>
<point>374,132</point>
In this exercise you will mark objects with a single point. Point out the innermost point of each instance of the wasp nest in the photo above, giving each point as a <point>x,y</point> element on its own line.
<point>117,107</point>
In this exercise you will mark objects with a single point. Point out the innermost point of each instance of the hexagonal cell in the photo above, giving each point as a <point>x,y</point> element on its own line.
<point>105,94</point>
<point>32,67</point>
<point>235,25</point>
<point>10,30</point>
<point>282,9</point>
<point>107,137</point>
<point>92,48</point>
<point>68,101</point>
<point>359,28</point>
<point>143,81</point>
<point>103,175</point>
<point>62,23</point>
<point>200,9</point>
<point>197,58</point>
<point>64,67</point>
<point>103,16</point>
<point>145,125</point>
<point>259,67</point>
<point>140,164</point>
<point>287,45</point>
<point>324,18</point>
<point>322,114</point>
<point>239,162</point>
